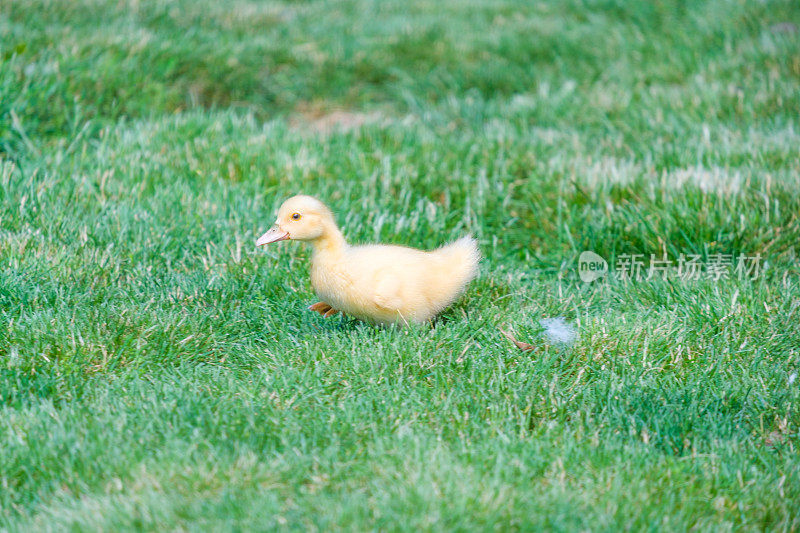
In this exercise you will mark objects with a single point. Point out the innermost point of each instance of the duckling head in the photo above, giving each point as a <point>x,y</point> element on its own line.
<point>300,218</point>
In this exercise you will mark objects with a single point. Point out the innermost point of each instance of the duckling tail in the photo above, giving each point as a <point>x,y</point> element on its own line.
<point>459,262</point>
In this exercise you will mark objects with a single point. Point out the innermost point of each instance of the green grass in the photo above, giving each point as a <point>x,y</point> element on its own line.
<point>159,372</point>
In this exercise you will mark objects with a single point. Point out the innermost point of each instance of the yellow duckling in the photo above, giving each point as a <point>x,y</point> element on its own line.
<point>377,282</point>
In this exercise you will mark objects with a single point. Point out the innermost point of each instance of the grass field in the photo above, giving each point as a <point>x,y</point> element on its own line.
<point>157,371</point>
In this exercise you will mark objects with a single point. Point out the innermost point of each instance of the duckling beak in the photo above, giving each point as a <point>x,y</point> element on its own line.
<point>273,234</point>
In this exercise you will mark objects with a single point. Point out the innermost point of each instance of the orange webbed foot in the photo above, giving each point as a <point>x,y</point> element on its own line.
<point>324,309</point>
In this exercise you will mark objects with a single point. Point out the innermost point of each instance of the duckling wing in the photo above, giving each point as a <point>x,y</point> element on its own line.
<point>386,281</point>
<point>391,283</point>
<point>387,291</point>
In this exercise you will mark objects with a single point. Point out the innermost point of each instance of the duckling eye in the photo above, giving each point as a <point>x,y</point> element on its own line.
<point>296,216</point>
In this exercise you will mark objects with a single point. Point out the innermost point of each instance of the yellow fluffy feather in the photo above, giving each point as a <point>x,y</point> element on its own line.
<point>377,282</point>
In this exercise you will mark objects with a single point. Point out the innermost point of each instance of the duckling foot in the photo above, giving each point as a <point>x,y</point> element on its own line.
<point>324,309</point>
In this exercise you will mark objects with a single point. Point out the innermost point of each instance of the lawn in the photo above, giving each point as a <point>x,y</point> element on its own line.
<point>159,372</point>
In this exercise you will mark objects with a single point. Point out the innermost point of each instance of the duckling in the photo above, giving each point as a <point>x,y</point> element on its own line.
<point>379,283</point>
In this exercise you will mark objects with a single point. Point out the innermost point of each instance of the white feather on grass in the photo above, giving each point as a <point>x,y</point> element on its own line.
<point>558,331</point>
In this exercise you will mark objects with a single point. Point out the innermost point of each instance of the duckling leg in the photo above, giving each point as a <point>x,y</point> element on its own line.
<point>319,307</point>
<point>324,309</point>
